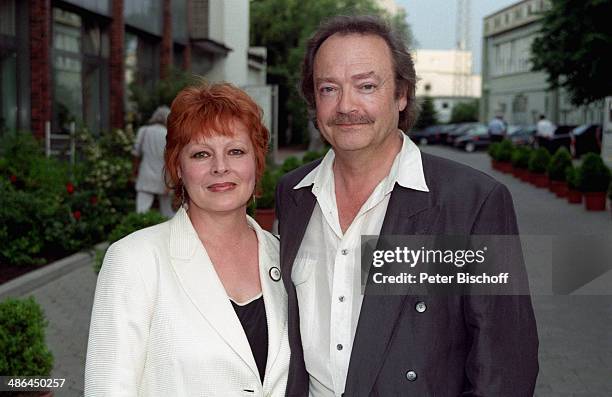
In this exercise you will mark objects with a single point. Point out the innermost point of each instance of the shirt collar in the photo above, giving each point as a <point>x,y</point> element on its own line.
<point>407,170</point>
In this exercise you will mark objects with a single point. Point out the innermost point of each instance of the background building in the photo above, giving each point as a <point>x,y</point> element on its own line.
<point>439,78</point>
<point>509,86</point>
<point>71,62</point>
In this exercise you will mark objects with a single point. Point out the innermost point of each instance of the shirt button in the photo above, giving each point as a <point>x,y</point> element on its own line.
<point>341,298</point>
<point>339,346</point>
<point>411,375</point>
<point>344,252</point>
<point>420,307</point>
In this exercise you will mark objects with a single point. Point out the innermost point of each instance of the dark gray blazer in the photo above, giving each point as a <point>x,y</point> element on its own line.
<point>458,346</point>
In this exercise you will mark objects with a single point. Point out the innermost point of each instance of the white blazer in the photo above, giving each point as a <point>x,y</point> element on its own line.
<point>163,325</point>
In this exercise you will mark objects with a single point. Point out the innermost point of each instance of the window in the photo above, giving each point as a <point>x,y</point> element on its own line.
<point>8,66</point>
<point>141,63</point>
<point>80,73</point>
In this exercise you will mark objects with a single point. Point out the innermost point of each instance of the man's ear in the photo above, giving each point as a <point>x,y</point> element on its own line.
<point>402,101</point>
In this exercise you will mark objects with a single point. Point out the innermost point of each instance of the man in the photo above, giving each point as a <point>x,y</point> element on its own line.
<point>359,80</point>
<point>497,128</point>
<point>545,128</point>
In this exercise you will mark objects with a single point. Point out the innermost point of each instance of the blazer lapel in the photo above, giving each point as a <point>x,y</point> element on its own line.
<point>409,212</point>
<point>274,295</point>
<point>201,283</point>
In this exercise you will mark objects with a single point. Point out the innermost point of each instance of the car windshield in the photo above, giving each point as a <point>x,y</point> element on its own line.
<point>478,130</point>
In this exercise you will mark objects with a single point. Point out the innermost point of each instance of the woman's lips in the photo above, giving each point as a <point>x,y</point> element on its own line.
<point>222,187</point>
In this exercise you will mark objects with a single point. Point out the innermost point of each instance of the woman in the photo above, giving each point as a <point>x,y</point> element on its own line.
<point>195,306</point>
<point>149,162</point>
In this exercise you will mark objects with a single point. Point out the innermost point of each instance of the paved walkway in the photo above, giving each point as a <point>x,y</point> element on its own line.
<point>575,331</point>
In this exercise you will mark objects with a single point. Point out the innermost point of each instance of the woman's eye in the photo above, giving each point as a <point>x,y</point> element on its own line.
<point>326,90</point>
<point>236,152</point>
<point>200,155</point>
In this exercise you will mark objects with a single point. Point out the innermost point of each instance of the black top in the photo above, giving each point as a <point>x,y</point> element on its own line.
<point>252,316</point>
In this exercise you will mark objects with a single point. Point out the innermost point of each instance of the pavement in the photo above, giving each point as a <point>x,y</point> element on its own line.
<point>575,331</point>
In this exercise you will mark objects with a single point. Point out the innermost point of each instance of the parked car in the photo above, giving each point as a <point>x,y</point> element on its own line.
<point>584,139</point>
<point>428,136</point>
<point>522,135</point>
<point>476,137</point>
<point>460,130</point>
<point>561,137</point>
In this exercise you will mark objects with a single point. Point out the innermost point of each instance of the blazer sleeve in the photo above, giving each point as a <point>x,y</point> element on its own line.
<point>120,322</point>
<point>503,357</point>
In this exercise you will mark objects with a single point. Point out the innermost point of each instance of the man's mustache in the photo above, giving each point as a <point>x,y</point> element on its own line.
<point>349,118</point>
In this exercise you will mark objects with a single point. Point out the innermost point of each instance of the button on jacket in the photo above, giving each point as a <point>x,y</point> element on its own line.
<point>163,325</point>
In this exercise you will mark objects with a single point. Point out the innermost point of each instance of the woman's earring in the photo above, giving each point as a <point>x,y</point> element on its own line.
<point>183,197</point>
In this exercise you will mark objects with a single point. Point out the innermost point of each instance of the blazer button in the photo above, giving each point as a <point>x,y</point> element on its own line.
<point>420,307</point>
<point>411,375</point>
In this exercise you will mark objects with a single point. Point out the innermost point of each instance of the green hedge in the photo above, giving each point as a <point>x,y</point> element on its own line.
<point>23,351</point>
<point>594,174</point>
<point>539,161</point>
<point>558,163</point>
<point>520,157</point>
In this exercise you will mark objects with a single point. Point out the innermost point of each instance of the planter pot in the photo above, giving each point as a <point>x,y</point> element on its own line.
<point>559,188</point>
<point>516,171</point>
<point>494,164</point>
<point>539,180</point>
<point>551,187</point>
<point>574,196</point>
<point>595,201</point>
<point>505,166</point>
<point>265,218</point>
<point>523,175</point>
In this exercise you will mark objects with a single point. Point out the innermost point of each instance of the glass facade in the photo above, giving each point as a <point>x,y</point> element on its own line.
<point>80,72</point>
<point>141,63</point>
<point>145,15</point>
<point>8,66</point>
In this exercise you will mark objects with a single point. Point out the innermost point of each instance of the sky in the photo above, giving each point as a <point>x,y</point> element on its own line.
<point>433,23</point>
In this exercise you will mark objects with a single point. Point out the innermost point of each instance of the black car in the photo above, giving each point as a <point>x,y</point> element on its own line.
<point>428,136</point>
<point>459,130</point>
<point>560,138</point>
<point>476,137</point>
<point>522,135</point>
<point>584,139</point>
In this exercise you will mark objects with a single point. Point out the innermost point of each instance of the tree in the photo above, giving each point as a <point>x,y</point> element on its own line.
<point>574,48</point>
<point>464,112</point>
<point>428,115</point>
<point>284,27</point>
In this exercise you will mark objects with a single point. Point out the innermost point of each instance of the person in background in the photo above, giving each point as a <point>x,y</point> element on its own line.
<point>497,128</point>
<point>545,128</point>
<point>148,164</point>
<point>195,306</point>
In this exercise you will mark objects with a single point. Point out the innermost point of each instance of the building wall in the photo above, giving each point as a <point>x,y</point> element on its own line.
<point>509,86</point>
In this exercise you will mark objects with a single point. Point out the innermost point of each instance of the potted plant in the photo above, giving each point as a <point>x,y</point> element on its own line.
<point>574,195</point>
<point>23,350</point>
<point>538,163</point>
<point>594,181</point>
<point>610,197</point>
<point>504,156</point>
<point>264,199</point>
<point>493,153</point>
<point>520,162</point>
<point>556,171</point>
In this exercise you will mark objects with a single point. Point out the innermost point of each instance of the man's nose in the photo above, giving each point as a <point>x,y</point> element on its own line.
<point>346,103</point>
<point>220,165</point>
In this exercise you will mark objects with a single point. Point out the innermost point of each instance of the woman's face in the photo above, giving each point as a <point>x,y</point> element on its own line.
<point>219,172</point>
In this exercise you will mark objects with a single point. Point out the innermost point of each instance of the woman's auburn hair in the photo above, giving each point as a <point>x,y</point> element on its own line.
<point>204,110</point>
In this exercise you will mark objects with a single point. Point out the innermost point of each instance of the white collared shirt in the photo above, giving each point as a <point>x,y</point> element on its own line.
<point>327,272</point>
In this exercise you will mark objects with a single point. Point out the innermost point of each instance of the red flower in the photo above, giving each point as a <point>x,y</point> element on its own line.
<point>93,200</point>
<point>13,178</point>
<point>76,215</point>
<point>70,188</point>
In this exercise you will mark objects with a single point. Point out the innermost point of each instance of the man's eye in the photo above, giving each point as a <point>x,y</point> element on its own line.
<point>236,152</point>
<point>200,155</point>
<point>326,90</point>
<point>368,87</point>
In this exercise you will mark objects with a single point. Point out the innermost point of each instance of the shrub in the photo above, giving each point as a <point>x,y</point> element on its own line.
<point>311,156</point>
<point>290,164</point>
<point>594,174</point>
<point>558,163</point>
<point>131,223</point>
<point>493,150</point>
<point>572,177</point>
<point>267,189</point>
<point>504,153</point>
<point>520,157</point>
<point>539,161</point>
<point>23,351</point>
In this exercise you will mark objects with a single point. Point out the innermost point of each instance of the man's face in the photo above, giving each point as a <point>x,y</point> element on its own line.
<point>355,92</point>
